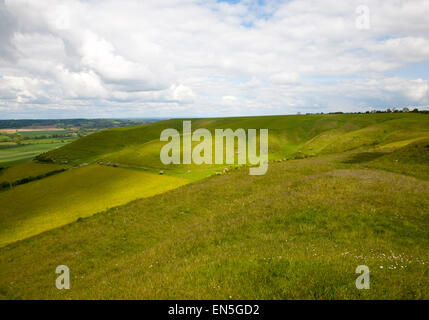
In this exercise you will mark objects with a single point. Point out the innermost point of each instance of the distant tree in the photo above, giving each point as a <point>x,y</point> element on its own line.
<point>415,110</point>
<point>405,109</point>
<point>388,110</point>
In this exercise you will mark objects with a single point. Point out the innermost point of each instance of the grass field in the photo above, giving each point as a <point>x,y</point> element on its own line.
<point>42,133</point>
<point>20,145</point>
<point>29,170</point>
<point>60,199</point>
<point>17,154</point>
<point>299,232</point>
<point>354,191</point>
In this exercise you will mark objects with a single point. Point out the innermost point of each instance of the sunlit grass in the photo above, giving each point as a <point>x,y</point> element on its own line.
<point>57,200</point>
<point>27,170</point>
<point>298,232</point>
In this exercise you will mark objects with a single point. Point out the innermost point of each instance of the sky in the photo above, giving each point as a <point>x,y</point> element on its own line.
<point>194,58</point>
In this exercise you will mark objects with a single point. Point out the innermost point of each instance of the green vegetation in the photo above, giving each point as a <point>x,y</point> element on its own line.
<point>22,140</point>
<point>289,136</point>
<point>26,172</point>
<point>17,137</point>
<point>44,134</point>
<point>71,123</point>
<point>41,205</point>
<point>411,160</point>
<point>300,231</point>
<point>342,190</point>
<point>16,154</point>
<point>18,147</point>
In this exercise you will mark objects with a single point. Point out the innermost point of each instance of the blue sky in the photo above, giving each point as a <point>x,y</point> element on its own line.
<point>171,58</point>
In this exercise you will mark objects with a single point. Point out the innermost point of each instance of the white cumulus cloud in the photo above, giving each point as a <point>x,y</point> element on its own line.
<point>209,58</point>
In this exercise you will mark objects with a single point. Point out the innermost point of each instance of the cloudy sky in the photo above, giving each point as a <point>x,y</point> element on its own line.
<point>174,58</point>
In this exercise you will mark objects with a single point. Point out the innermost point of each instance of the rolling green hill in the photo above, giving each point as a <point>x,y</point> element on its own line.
<point>18,154</point>
<point>353,191</point>
<point>412,159</point>
<point>299,232</point>
<point>138,148</point>
<point>288,136</point>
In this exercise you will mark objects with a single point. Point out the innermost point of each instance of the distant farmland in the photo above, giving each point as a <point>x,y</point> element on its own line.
<point>16,136</point>
<point>15,154</point>
<point>36,129</point>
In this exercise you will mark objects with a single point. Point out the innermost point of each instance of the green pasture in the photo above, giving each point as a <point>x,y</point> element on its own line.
<point>299,232</point>
<point>33,134</point>
<point>41,205</point>
<point>29,169</point>
<point>20,153</point>
<point>341,190</point>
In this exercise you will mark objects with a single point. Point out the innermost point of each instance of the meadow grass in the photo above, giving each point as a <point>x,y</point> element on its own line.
<point>39,133</point>
<point>299,232</point>
<point>288,136</point>
<point>29,169</point>
<point>60,199</point>
<point>412,159</point>
<point>21,153</point>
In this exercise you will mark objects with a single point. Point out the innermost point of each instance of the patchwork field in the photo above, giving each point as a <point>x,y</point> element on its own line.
<point>342,190</point>
<point>18,154</point>
<point>32,130</point>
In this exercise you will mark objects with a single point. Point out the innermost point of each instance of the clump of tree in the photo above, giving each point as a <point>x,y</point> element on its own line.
<point>44,157</point>
<point>387,110</point>
<point>397,110</point>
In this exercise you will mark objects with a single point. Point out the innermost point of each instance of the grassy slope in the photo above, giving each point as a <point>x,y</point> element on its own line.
<point>41,205</point>
<point>357,189</point>
<point>300,231</point>
<point>288,135</point>
<point>412,159</point>
<point>28,169</point>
